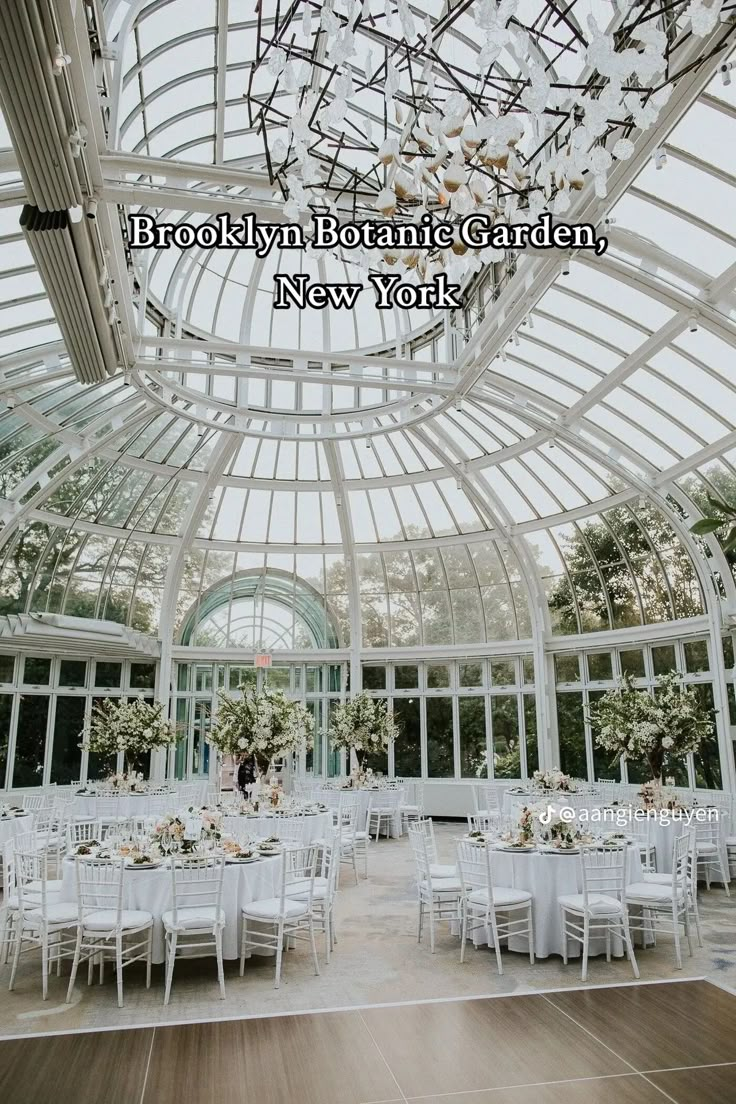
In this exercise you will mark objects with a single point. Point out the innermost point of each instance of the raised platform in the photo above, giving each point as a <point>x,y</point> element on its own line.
<point>634,1044</point>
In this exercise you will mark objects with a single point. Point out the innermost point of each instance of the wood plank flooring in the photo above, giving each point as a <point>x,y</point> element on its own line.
<point>644,1044</point>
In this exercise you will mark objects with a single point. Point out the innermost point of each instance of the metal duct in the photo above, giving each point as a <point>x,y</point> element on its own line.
<point>63,255</point>
<point>31,97</point>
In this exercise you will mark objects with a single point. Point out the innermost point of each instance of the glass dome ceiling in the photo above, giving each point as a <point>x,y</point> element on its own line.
<point>528,465</point>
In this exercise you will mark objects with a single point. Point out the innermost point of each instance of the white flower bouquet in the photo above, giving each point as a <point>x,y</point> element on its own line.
<point>362,725</point>
<point>131,727</point>
<point>672,723</point>
<point>552,781</point>
<point>265,725</point>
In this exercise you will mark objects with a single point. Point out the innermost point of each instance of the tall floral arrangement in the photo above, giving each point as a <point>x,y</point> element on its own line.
<point>674,722</point>
<point>263,724</point>
<point>133,727</point>
<point>362,725</point>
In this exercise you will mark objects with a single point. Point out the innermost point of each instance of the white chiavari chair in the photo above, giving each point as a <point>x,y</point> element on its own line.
<point>325,888</point>
<point>196,914</point>
<point>669,900</point>
<point>709,853</point>
<point>385,812</point>
<point>501,911</point>
<point>601,907</point>
<point>437,897</point>
<point>287,917</point>
<point>41,920</point>
<point>106,930</point>
<point>412,807</point>
<point>35,802</point>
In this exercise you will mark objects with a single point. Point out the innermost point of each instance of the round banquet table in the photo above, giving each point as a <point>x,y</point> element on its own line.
<point>548,875</point>
<point>151,890</point>
<point>129,805</point>
<point>12,826</point>
<point>314,826</point>
<point>366,795</point>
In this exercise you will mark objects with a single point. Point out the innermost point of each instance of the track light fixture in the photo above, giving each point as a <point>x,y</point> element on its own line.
<point>692,323</point>
<point>91,208</point>
<point>565,266</point>
<point>660,158</point>
<point>725,71</point>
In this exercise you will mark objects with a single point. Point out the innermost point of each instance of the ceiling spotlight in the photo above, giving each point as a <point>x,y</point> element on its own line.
<point>458,404</point>
<point>692,323</point>
<point>127,379</point>
<point>516,338</point>
<point>725,71</point>
<point>660,158</point>
<point>565,267</point>
<point>459,483</point>
<point>91,208</point>
<point>61,60</point>
<point>368,443</point>
<point>642,502</point>
<point>10,402</point>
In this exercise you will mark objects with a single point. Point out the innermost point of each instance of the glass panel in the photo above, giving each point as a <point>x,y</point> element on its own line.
<point>505,729</point>
<point>6,707</point>
<point>663,659</point>
<point>567,668</point>
<point>279,678</point>
<point>238,675</point>
<point>471,674</point>
<point>374,678</point>
<point>530,725</point>
<point>707,760</point>
<point>731,703</point>
<point>73,672</point>
<point>30,743</point>
<point>632,662</point>
<point>473,758</point>
<point>182,729</point>
<point>36,672</point>
<point>503,672</point>
<point>603,767</point>
<point>406,678</point>
<point>108,674</point>
<point>334,755</point>
<point>202,678</point>
<point>528,666</point>
<point>440,750</point>
<point>407,749</point>
<point>100,766</point>
<point>600,666</point>
<point>7,665</point>
<point>182,676</point>
<point>66,754</point>
<point>728,656</point>
<point>200,747</point>
<point>696,656</point>
<point>334,678</point>
<point>571,727</point>
<point>377,762</point>
<point>438,676</point>
<point>142,676</point>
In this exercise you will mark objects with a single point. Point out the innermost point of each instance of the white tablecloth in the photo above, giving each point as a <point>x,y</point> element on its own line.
<point>10,827</point>
<point>128,805</point>
<point>307,828</point>
<point>151,890</point>
<point>548,875</point>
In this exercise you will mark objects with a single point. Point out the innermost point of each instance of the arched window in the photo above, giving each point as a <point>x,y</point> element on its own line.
<point>259,611</point>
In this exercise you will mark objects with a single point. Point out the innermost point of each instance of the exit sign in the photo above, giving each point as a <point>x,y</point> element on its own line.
<point>263,661</point>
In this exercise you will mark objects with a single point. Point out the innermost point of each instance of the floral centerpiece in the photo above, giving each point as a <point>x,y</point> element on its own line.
<point>654,796</point>
<point>362,725</point>
<point>131,727</point>
<point>122,782</point>
<point>672,723</point>
<point>552,781</point>
<point>263,724</point>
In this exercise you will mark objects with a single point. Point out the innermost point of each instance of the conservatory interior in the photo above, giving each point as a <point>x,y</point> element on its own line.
<point>367,676</point>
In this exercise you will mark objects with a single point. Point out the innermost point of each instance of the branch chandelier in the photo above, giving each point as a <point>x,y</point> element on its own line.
<point>507,139</point>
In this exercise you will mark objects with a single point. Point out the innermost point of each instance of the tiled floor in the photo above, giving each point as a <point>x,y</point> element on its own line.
<point>643,1044</point>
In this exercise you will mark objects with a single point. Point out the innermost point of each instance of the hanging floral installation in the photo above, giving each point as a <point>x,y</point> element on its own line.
<point>362,725</point>
<point>132,727</point>
<point>264,724</point>
<point>669,725</point>
<point>367,109</point>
